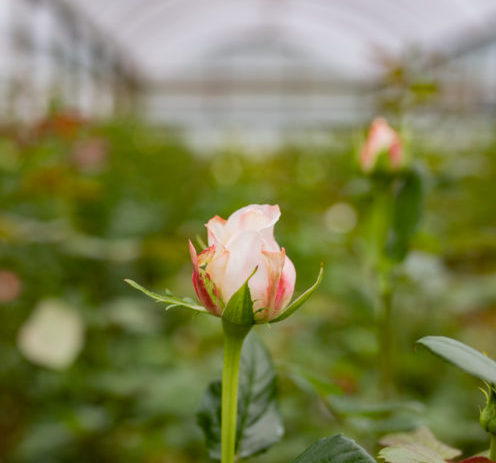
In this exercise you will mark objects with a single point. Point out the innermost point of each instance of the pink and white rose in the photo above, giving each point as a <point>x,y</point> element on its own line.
<point>382,138</point>
<point>236,247</point>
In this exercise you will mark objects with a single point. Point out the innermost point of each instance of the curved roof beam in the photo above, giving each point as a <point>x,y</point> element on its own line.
<point>151,23</point>
<point>349,30</point>
<point>355,22</point>
<point>329,55</point>
<point>159,33</point>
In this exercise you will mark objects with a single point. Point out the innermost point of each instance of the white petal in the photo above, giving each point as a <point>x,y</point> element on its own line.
<point>260,218</point>
<point>217,233</point>
<point>244,255</point>
<point>216,269</point>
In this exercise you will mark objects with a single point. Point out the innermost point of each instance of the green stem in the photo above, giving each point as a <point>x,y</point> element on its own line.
<point>381,220</point>
<point>234,336</point>
<point>385,333</point>
<point>492,451</point>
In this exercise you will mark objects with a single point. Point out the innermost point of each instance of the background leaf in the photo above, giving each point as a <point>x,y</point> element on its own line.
<point>421,436</point>
<point>259,422</point>
<point>406,215</point>
<point>476,459</point>
<point>410,453</point>
<point>464,357</point>
<point>335,449</point>
<point>309,381</point>
<point>351,406</point>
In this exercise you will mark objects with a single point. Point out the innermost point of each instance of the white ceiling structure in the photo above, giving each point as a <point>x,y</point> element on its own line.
<point>258,66</point>
<point>163,38</point>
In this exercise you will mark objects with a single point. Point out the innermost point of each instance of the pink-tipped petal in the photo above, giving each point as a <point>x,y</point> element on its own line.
<point>286,287</point>
<point>396,153</point>
<point>268,216</point>
<point>206,256</point>
<point>264,284</point>
<point>192,253</point>
<point>381,138</point>
<point>256,217</point>
<point>217,269</point>
<point>216,230</point>
<point>201,280</point>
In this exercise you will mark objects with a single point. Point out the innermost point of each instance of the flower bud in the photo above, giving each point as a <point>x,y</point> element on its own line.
<point>383,143</point>
<point>487,417</point>
<point>243,249</point>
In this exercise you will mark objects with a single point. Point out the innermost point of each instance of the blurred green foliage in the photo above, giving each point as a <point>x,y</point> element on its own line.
<point>86,205</point>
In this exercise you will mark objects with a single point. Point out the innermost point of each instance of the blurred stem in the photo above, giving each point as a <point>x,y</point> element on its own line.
<point>385,334</point>
<point>338,417</point>
<point>492,451</point>
<point>381,218</point>
<point>234,336</point>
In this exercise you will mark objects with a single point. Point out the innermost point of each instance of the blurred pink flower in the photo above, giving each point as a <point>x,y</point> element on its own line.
<point>91,155</point>
<point>237,246</point>
<point>381,139</point>
<point>10,286</point>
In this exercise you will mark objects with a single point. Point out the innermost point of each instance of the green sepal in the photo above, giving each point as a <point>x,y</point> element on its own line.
<point>406,214</point>
<point>169,300</point>
<point>298,302</point>
<point>487,418</point>
<point>239,309</point>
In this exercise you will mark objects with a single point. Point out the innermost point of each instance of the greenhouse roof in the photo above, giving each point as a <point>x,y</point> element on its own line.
<point>163,38</point>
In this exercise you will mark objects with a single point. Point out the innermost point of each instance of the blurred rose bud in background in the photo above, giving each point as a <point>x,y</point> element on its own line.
<point>91,155</point>
<point>383,147</point>
<point>10,286</point>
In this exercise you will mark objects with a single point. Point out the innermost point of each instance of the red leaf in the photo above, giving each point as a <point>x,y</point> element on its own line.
<point>476,460</point>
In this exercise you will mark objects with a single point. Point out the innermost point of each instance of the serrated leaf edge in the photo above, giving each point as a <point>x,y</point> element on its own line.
<point>170,301</point>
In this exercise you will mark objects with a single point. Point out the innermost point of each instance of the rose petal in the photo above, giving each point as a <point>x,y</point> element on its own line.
<point>255,217</point>
<point>264,284</point>
<point>244,255</point>
<point>216,230</point>
<point>199,277</point>
<point>381,138</point>
<point>396,153</point>
<point>286,287</point>
<point>216,269</point>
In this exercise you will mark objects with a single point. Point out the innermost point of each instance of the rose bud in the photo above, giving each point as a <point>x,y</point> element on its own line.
<point>243,249</point>
<point>382,140</point>
<point>243,276</point>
